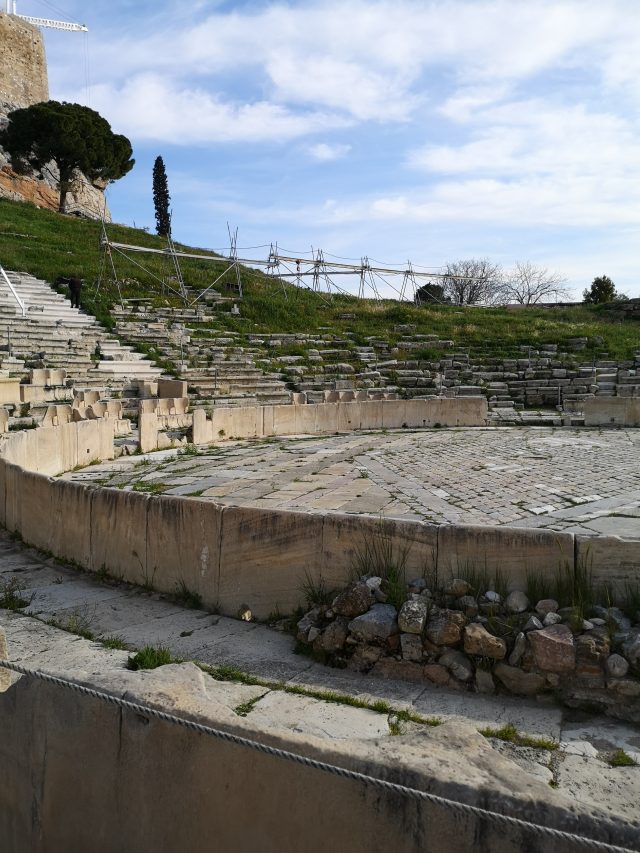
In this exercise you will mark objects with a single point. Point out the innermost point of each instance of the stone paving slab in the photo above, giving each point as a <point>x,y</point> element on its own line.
<point>546,477</point>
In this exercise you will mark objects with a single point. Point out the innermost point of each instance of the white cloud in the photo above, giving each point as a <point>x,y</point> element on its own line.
<point>373,60</point>
<point>325,152</point>
<point>148,107</point>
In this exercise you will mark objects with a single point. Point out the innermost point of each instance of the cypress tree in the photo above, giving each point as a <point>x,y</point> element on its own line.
<point>161,198</point>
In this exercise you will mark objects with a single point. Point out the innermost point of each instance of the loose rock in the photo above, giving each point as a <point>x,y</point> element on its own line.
<point>517,681</point>
<point>332,639</point>
<point>547,605</point>
<point>533,624</point>
<point>457,588</point>
<point>617,666</point>
<point>378,623</point>
<point>519,646</point>
<point>478,641</point>
<point>411,646</point>
<point>412,616</point>
<point>444,627</point>
<point>553,648</point>
<point>458,665</point>
<point>354,601</point>
<point>516,602</point>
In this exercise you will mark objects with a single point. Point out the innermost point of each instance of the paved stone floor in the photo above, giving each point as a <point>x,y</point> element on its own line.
<point>579,480</point>
<point>62,596</point>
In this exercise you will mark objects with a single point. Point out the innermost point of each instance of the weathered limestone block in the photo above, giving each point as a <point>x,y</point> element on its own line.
<point>312,619</point>
<point>458,665</point>
<point>457,587</point>
<point>445,627</point>
<point>553,648</point>
<point>518,681</point>
<point>484,682</point>
<point>333,638</point>
<point>364,657</point>
<point>379,623</point>
<point>411,646</point>
<point>592,648</point>
<point>354,601</point>
<point>437,674</point>
<point>478,641</point>
<point>398,669</point>
<point>412,616</point>
<point>519,647</point>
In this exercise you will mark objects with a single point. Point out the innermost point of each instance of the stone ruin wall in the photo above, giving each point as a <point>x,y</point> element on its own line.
<point>23,64</point>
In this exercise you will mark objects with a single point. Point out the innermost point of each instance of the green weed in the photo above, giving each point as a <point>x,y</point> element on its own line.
<point>12,595</point>
<point>150,657</point>
<point>619,758</point>
<point>316,592</point>
<point>510,734</point>
<point>187,597</point>
<point>113,642</point>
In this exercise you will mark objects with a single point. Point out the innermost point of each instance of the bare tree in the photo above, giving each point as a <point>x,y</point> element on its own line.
<point>476,281</point>
<point>528,284</point>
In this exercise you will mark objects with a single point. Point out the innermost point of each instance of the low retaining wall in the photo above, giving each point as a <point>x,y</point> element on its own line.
<point>234,556</point>
<point>149,785</point>
<point>327,418</point>
<point>612,411</point>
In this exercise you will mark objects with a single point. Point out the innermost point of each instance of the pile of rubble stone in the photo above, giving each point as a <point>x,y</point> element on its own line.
<point>487,643</point>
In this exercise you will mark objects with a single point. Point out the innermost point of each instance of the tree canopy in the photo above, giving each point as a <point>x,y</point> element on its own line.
<point>528,284</point>
<point>161,198</point>
<point>72,136</point>
<point>473,281</point>
<point>602,290</point>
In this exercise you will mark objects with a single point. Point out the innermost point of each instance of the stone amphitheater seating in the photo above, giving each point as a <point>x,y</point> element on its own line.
<point>64,337</point>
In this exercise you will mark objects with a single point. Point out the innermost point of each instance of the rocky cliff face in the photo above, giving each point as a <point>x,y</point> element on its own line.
<point>23,82</point>
<point>84,198</point>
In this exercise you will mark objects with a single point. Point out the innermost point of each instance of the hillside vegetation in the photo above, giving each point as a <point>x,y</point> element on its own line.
<point>48,244</point>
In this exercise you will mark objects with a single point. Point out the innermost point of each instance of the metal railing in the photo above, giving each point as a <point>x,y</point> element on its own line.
<point>21,304</point>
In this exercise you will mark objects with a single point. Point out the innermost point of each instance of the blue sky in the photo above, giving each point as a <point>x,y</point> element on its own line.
<point>429,131</point>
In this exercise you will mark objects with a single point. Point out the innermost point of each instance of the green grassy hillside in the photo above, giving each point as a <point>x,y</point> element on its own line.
<point>48,244</point>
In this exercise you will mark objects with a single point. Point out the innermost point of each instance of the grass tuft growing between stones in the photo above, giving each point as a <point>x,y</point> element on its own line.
<point>75,622</point>
<point>11,595</point>
<point>619,758</point>
<point>381,706</point>
<point>316,592</point>
<point>151,657</point>
<point>114,642</point>
<point>246,708</point>
<point>187,597</point>
<point>509,734</point>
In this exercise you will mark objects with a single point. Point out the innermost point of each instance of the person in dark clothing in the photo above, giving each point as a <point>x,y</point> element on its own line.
<point>75,288</point>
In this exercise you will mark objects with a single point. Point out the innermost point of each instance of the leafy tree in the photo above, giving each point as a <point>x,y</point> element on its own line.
<point>528,284</point>
<point>431,293</point>
<point>74,137</point>
<point>602,290</point>
<point>473,281</point>
<point>161,198</point>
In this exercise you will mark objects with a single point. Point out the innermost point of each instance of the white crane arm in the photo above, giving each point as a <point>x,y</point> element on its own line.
<point>56,25</point>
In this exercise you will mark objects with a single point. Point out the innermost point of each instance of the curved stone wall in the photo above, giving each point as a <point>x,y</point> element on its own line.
<point>234,556</point>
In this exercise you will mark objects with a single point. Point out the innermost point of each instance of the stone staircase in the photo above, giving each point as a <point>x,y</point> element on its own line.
<point>212,361</point>
<point>56,335</point>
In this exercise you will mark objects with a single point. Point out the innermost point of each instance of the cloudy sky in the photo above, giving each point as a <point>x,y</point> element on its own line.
<point>429,131</point>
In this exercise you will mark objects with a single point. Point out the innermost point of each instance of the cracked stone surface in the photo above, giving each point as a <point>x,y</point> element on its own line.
<point>64,596</point>
<point>579,480</point>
